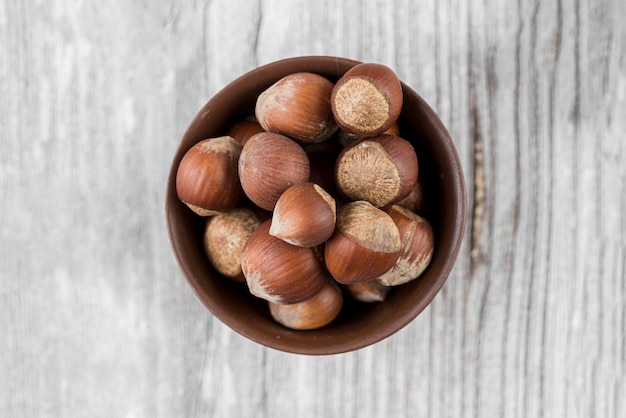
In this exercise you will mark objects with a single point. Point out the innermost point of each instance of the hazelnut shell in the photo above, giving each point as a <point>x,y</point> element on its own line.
<point>367,99</point>
<point>380,170</point>
<point>280,272</point>
<point>369,291</point>
<point>366,243</point>
<point>313,313</point>
<point>416,200</point>
<point>244,129</point>
<point>224,238</point>
<point>269,164</point>
<point>304,215</point>
<point>418,243</point>
<point>298,106</point>
<point>207,178</point>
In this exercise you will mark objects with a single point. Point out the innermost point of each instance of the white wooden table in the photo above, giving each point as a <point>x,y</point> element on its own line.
<point>96,319</point>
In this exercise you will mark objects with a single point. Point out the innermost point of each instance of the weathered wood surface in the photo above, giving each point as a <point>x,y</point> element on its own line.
<point>95,317</point>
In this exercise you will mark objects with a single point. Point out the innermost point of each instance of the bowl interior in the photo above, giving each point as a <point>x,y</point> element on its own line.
<point>359,324</point>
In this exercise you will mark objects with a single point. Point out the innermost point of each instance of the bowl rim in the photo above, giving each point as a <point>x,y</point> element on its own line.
<point>400,319</point>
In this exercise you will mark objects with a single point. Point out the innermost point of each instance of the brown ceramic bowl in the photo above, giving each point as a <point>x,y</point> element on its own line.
<point>359,324</point>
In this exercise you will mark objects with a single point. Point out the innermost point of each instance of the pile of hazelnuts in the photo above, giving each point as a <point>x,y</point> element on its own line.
<point>314,198</point>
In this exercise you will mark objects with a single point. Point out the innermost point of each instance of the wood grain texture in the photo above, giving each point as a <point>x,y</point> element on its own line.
<point>95,317</point>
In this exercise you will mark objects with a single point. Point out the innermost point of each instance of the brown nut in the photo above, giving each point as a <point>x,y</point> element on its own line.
<point>345,138</point>
<point>304,215</point>
<point>269,164</point>
<point>369,291</point>
<point>313,313</point>
<point>418,243</point>
<point>380,170</point>
<point>367,99</point>
<point>366,244</point>
<point>279,272</point>
<point>244,129</point>
<point>298,106</point>
<point>206,179</point>
<point>224,238</point>
<point>416,200</point>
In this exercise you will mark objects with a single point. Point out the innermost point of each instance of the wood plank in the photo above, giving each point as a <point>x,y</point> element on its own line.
<point>95,315</point>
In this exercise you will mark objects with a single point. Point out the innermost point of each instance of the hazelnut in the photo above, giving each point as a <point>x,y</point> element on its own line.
<point>380,170</point>
<point>415,200</point>
<point>418,243</point>
<point>344,138</point>
<point>224,238</point>
<point>244,129</point>
<point>280,272</point>
<point>367,99</point>
<point>304,215</point>
<point>206,179</point>
<point>298,106</point>
<point>369,291</point>
<point>313,313</point>
<point>269,164</point>
<point>366,243</point>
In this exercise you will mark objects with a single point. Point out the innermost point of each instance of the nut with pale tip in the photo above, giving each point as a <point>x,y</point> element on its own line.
<point>304,215</point>
<point>298,106</point>
<point>224,238</point>
<point>206,178</point>
<point>280,272</point>
<point>345,138</point>
<point>380,170</point>
<point>313,313</point>
<point>418,243</point>
<point>366,243</point>
<point>244,129</point>
<point>367,99</point>
<point>416,200</point>
<point>368,292</point>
